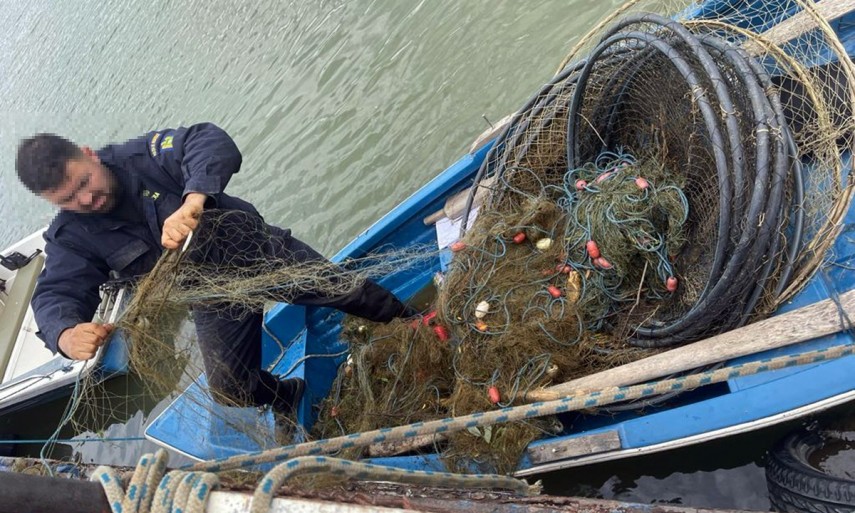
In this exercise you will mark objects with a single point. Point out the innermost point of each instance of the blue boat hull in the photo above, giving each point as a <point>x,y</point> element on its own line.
<point>305,342</point>
<point>309,335</point>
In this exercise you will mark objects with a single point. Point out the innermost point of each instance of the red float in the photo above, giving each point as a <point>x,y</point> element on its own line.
<point>457,246</point>
<point>671,284</point>
<point>441,333</point>
<point>494,395</point>
<point>593,249</point>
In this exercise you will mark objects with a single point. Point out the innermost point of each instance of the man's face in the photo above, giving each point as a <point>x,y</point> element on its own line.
<point>89,187</point>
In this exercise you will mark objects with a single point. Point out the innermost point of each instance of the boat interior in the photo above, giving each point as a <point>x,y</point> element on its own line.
<point>30,372</point>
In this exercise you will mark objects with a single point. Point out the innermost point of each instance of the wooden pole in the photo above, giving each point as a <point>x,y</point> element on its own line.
<point>806,323</point>
<point>801,23</point>
<point>24,493</point>
<point>455,204</point>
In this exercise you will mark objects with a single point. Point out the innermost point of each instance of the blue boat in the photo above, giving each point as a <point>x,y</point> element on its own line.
<point>306,342</point>
<point>29,373</point>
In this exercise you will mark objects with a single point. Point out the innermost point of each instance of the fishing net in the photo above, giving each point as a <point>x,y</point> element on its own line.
<point>677,178</point>
<point>748,131</point>
<point>233,268</point>
<point>682,174</point>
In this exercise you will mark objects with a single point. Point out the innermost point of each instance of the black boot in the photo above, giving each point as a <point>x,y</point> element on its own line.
<point>288,395</point>
<point>409,312</point>
<point>284,406</point>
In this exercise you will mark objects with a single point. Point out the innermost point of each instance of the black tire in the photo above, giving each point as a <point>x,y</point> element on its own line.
<point>797,486</point>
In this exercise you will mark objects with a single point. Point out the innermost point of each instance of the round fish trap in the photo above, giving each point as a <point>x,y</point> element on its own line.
<point>749,123</point>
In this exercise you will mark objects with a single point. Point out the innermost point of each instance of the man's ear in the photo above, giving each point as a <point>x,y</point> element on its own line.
<point>89,152</point>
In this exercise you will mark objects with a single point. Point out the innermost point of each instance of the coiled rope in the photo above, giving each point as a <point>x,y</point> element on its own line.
<point>152,491</point>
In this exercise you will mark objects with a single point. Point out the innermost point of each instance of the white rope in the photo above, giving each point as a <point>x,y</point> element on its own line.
<point>150,491</point>
<point>187,492</point>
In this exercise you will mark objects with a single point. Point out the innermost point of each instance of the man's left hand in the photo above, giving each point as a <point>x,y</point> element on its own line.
<point>178,226</point>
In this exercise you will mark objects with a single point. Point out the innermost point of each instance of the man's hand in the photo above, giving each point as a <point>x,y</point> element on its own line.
<point>178,226</point>
<point>82,341</point>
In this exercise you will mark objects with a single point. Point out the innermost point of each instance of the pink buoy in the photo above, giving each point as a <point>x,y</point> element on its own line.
<point>602,263</point>
<point>604,176</point>
<point>671,284</point>
<point>581,184</point>
<point>592,249</point>
<point>495,396</point>
<point>642,183</point>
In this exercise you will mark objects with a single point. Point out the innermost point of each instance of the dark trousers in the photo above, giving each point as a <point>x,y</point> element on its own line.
<point>229,335</point>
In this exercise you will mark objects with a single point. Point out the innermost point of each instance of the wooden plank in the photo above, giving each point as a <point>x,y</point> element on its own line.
<point>23,493</point>
<point>801,23</point>
<point>377,498</point>
<point>806,323</point>
<point>573,447</point>
<point>489,134</point>
<point>13,313</point>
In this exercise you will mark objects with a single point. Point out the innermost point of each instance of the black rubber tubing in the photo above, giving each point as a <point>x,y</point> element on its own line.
<point>748,251</point>
<point>707,112</point>
<point>773,115</point>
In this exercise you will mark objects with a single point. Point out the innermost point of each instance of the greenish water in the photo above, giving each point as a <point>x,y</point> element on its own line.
<point>341,108</point>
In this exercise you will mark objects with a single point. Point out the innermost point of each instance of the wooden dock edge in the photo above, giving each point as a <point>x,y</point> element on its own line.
<point>23,493</point>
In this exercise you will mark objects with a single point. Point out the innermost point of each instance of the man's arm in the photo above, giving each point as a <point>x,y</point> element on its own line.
<point>202,158</point>
<point>65,300</point>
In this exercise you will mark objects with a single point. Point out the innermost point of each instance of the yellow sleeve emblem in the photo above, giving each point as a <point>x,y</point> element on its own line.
<point>167,143</point>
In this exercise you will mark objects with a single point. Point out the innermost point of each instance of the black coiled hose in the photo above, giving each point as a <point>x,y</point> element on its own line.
<point>756,204</point>
<point>740,271</point>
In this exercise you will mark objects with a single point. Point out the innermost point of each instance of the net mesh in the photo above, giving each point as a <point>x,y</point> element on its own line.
<point>682,174</point>
<point>677,178</point>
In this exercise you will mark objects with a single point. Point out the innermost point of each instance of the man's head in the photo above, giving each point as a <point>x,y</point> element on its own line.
<point>71,177</point>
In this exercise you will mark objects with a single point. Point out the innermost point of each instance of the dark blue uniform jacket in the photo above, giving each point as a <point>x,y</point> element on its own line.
<point>155,172</point>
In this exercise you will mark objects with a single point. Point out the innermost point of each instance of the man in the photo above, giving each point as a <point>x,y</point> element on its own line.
<point>121,205</point>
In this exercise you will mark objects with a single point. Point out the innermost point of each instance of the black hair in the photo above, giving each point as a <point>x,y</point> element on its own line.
<point>42,160</point>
